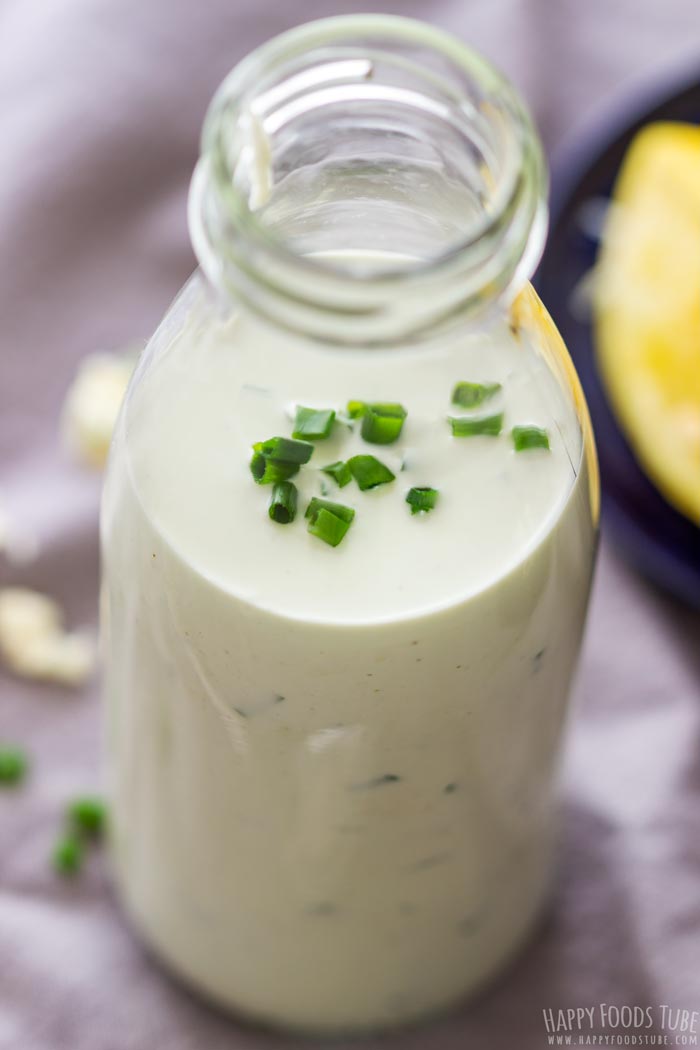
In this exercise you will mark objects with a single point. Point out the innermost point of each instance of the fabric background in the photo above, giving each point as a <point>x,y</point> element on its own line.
<point>100,108</point>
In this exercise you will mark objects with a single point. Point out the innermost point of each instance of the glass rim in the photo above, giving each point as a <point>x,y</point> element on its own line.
<point>337,30</point>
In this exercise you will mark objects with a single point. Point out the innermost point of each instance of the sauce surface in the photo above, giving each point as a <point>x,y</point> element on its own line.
<point>218,389</point>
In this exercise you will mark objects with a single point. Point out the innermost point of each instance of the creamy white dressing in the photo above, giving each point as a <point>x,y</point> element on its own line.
<point>220,388</point>
<point>332,766</point>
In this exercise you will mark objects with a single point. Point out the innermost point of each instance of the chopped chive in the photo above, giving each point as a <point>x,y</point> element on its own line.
<point>421,499</point>
<point>328,527</point>
<point>13,765</point>
<point>283,504</point>
<point>287,450</point>
<point>462,426</point>
<point>329,521</point>
<point>368,472</point>
<point>338,509</point>
<point>271,471</point>
<point>471,395</point>
<point>278,459</point>
<point>67,856</point>
<point>87,815</point>
<point>529,437</point>
<point>314,424</point>
<point>382,422</point>
<point>340,472</point>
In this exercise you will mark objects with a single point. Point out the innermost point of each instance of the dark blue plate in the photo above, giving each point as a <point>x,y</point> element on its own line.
<point>657,539</point>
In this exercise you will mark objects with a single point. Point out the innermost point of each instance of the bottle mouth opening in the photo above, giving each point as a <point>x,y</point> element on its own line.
<point>358,159</point>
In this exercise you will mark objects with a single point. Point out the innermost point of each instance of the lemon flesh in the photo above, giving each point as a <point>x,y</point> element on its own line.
<point>646,307</point>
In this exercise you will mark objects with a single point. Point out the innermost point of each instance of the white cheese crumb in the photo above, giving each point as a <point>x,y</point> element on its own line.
<point>33,642</point>
<point>92,405</point>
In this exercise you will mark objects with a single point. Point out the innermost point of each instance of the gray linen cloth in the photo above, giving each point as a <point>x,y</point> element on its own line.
<point>100,109</point>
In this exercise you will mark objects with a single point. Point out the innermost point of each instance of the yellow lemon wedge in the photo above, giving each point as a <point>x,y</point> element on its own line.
<point>646,308</point>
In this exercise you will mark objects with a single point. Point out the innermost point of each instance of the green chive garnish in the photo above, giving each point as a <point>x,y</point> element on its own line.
<point>286,449</point>
<point>356,409</point>
<point>87,815</point>
<point>464,426</point>
<point>329,521</point>
<point>271,471</point>
<point>421,499</point>
<point>67,856</point>
<point>471,395</point>
<point>382,421</point>
<point>283,504</point>
<point>278,459</point>
<point>13,765</point>
<point>314,424</point>
<point>340,472</point>
<point>339,509</point>
<point>529,437</point>
<point>368,472</point>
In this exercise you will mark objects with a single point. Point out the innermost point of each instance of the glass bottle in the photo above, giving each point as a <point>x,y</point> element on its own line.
<point>332,766</point>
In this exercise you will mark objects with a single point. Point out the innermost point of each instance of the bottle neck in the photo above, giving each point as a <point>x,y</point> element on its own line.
<point>367,180</point>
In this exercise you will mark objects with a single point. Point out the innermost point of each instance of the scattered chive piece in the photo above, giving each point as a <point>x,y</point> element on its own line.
<point>271,471</point>
<point>314,424</point>
<point>491,426</point>
<point>529,437</point>
<point>88,816</point>
<point>382,422</point>
<point>283,504</point>
<point>368,472</point>
<point>13,765</point>
<point>287,450</point>
<point>67,856</point>
<point>340,472</point>
<point>329,521</point>
<point>421,499</point>
<point>339,509</point>
<point>278,459</point>
<point>471,395</point>
<point>327,527</point>
<point>356,409</point>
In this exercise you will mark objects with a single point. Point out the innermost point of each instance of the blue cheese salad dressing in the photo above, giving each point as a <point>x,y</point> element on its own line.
<point>344,592</point>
